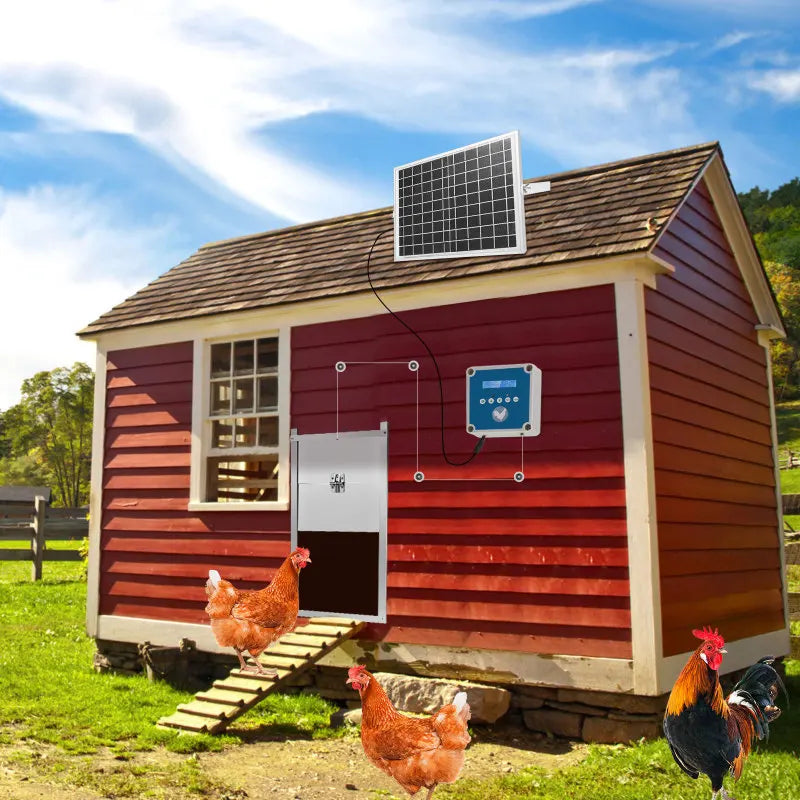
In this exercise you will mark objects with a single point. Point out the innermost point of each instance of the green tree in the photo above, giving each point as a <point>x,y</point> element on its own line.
<point>774,220</point>
<point>52,426</point>
<point>786,352</point>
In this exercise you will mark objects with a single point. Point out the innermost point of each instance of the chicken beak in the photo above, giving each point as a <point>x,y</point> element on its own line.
<point>723,651</point>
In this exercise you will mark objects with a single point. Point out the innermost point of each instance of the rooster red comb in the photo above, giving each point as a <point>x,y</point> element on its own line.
<point>707,635</point>
<point>304,552</point>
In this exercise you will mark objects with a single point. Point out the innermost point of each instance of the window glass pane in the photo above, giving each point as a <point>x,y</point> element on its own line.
<point>220,360</point>
<point>268,393</point>
<point>222,433</point>
<point>242,480</point>
<point>267,355</point>
<point>243,395</point>
<point>268,432</point>
<point>243,358</point>
<point>245,432</point>
<point>220,397</point>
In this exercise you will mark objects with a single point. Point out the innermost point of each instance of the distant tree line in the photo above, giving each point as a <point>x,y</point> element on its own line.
<point>774,219</point>
<point>46,438</point>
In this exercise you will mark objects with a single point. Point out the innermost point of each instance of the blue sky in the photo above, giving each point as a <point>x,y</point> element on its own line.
<point>131,132</point>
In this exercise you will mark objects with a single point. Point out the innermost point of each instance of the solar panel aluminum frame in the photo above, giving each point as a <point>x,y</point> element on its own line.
<point>519,204</point>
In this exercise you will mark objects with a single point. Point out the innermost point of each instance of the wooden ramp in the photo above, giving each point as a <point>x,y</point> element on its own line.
<point>214,709</point>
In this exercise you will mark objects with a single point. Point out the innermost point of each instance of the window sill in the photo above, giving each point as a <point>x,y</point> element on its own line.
<point>272,505</point>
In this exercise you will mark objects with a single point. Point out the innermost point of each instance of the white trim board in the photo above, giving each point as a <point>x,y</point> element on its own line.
<point>765,340</point>
<point>741,653</point>
<point>96,493</point>
<point>162,633</point>
<point>498,666</point>
<point>640,492</point>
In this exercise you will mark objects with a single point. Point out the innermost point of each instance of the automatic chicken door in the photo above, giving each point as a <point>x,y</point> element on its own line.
<point>339,512</point>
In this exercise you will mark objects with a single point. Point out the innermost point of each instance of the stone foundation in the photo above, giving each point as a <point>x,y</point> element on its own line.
<point>592,716</point>
<point>567,713</point>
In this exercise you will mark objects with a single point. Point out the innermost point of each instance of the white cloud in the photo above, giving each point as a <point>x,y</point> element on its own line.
<point>198,81</point>
<point>64,261</point>
<point>731,40</point>
<point>782,84</point>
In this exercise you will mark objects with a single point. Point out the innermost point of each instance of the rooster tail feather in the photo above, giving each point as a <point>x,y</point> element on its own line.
<point>214,577</point>
<point>757,691</point>
<point>461,706</point>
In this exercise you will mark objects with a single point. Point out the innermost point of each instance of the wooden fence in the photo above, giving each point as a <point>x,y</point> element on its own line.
<point>39,524</point>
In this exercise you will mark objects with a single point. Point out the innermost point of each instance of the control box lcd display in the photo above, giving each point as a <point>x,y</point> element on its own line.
<point>504,400</point>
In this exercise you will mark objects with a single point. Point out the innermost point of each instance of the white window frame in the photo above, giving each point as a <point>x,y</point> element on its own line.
<point>202,424</point>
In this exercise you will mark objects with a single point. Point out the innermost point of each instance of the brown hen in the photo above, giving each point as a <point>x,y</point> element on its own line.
<point>417,753</point>
<point>252,620</point>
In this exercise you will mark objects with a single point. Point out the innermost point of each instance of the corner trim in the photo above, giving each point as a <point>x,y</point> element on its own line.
<point>765,341</point>
<point>640,492</point>
<point>96,493</point>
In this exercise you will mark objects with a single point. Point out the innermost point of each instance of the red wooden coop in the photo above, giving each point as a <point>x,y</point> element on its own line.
<point>648,505</point>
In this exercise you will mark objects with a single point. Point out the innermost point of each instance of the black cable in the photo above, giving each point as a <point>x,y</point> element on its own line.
<point>479,445</point>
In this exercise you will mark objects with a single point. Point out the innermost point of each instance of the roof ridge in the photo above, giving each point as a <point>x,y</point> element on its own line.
<point>359,216</point>
<point>643,159</point>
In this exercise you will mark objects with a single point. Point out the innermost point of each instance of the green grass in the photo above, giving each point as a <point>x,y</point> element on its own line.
<point>62,721</point>
<point>647,770</point>
<point>51,694</point>
<point>788,419</point>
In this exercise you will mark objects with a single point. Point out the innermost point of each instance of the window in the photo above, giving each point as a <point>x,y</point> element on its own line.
<point>242,422</point>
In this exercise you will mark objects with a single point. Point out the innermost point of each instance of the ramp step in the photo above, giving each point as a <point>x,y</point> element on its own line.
<point>243,685</point>
<point>227,698</point>
<point>187,722</point>
<point>202,708</point>
<point>280,661</point>
<point>250,675</point>
<point>291,650</point>
<point>213,709</point>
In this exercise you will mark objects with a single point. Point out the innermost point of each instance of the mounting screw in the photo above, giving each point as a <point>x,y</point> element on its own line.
<point>527,426</point>
<point>471,371</point>
<point>470,428</point>
<point>519,477</point>
<point>419,477</point>
<point>529,368</point>
<point>341,366</point>
<point>413,365</point>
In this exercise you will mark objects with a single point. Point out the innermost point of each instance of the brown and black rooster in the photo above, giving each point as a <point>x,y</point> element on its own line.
<point>708,732</point>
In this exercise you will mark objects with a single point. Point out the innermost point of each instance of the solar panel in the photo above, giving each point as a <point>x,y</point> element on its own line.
<point>464,202</point>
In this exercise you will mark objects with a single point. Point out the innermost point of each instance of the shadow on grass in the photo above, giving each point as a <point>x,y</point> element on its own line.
<point>519,739</point>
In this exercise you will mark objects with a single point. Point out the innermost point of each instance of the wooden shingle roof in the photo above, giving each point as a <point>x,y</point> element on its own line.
<point>610,209</point>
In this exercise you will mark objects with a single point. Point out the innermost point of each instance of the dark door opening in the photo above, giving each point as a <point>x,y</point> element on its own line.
<point>343,575</point>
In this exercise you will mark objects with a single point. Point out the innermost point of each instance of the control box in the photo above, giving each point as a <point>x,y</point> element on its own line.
<point>504,400</point>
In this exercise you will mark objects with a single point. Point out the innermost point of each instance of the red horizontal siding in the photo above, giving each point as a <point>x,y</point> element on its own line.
<point>536,567</point>
<point>714,476</point>
<point>155,554</point>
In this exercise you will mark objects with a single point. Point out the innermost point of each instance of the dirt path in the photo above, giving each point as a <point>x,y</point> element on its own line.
<point>338,770</point>
<point>333,769</point>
